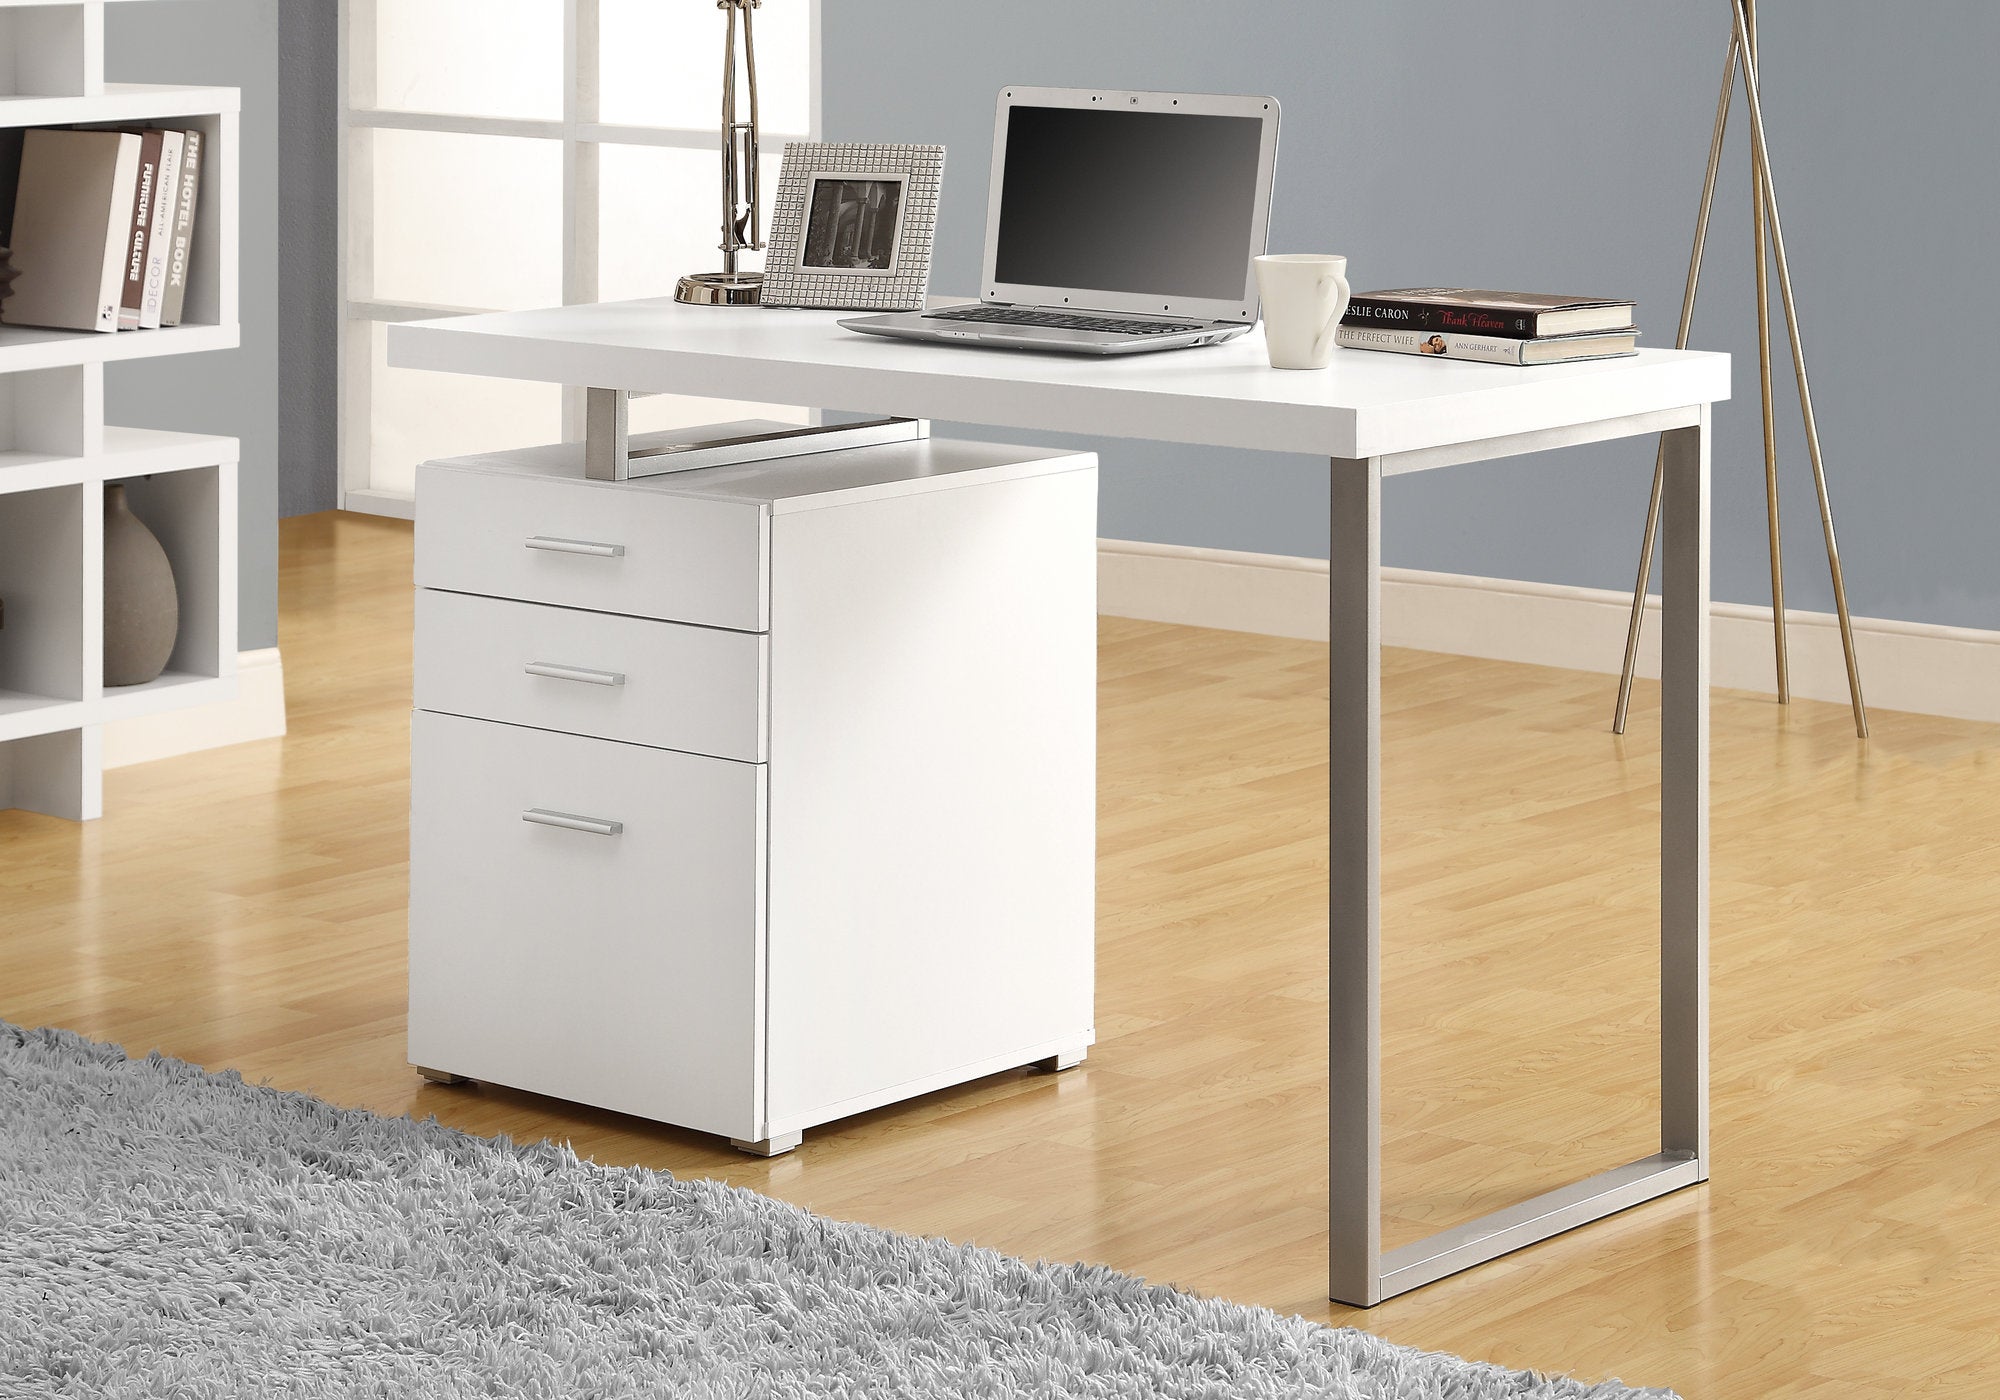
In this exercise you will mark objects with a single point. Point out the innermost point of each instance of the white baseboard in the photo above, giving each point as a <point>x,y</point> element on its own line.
<point>257,712</point>
<point>398,505</point>
<point>1922,668</point>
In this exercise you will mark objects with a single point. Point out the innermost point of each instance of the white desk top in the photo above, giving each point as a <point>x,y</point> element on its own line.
<point>1366,404</point>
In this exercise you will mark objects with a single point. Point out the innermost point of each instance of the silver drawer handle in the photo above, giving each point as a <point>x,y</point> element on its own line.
<point>574,673</point>
<point>596,826</point>
<point>562,546</point>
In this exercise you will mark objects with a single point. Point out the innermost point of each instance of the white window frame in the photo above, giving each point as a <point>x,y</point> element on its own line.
<point>581,134</point>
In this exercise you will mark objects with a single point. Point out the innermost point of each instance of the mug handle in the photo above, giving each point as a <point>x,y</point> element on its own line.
<point>1326,332</point>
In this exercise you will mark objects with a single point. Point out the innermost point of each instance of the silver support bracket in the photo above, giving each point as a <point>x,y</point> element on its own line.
<point>611,453</point>
<point>607,440</point>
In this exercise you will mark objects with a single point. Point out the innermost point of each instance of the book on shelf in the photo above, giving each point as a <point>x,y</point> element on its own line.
<point>1492,349</point>
<point>1476,311</point>
<point>10,179</point>
<point>160,234</point>
<point>72,228</point>
<point>143,193</point>
<point>175,297</point>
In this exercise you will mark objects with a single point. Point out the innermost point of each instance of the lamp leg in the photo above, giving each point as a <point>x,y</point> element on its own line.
<point>1738,11</point>
<point>1758,199</point>
<point>1646,544</point>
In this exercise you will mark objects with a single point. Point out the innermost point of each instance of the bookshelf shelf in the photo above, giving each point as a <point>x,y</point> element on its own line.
<point>31,347</point>
<point>24,714</point>
<point>57,454</point>
<point>127,452</point>
<point>36,471</point>
<point>119,102</point>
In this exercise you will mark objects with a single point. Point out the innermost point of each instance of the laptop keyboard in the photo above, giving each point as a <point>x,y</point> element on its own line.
<point>1061,320</point>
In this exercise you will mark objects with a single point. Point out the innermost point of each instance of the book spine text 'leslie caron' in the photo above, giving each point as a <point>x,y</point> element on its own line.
<point>1389,313</point>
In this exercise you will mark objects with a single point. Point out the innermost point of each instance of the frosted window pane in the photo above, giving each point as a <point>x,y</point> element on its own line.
<point>488,58</point>
<point>417,416</point>
<point>661,65</point>
<point>471,221</point>
<point>660,217</point>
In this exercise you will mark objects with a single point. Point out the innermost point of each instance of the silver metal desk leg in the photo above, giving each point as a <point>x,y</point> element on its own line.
<point>1360,1273</point>
<point>1354,883</point>
<point>1684,800</point>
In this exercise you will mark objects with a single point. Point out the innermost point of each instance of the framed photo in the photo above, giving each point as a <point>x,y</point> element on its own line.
<point>853,226</point>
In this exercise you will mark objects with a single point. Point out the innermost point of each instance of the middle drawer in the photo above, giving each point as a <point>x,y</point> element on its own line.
<point>696,689</point>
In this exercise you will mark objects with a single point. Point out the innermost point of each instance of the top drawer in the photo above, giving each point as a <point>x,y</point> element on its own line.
<point>584,545</point>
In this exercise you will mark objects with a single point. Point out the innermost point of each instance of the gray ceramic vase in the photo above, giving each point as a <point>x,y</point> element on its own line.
<point>142,608</point>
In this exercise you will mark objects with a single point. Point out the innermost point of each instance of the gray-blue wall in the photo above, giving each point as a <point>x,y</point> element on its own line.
<point>229,43</point>
<point>1559,145</point>
<point>308,255</point>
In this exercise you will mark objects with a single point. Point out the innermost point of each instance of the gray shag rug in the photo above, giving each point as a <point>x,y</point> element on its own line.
<point>166,1232</point>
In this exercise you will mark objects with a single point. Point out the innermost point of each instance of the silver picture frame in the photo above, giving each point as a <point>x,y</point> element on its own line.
<point>852,226</point>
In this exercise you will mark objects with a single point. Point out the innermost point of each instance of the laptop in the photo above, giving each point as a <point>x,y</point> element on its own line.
<point>1116,222</point>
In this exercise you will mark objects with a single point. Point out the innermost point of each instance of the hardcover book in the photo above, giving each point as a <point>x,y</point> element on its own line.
<point>160,236</point>
<point>184,207</point>
<point>11,141</point>
<point>141,229</point>
<point>1475,311</point>
<point>72,228</point>
<point>1492,349</point>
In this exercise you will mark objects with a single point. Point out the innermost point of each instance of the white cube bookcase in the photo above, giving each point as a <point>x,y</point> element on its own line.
<point>57,454</point>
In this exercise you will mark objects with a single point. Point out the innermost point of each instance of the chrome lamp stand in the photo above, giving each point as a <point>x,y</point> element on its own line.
<point>1764,207</point>
<point>740,213</point>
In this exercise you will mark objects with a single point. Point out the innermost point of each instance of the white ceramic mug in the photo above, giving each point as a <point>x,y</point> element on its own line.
<point>1304,295</point>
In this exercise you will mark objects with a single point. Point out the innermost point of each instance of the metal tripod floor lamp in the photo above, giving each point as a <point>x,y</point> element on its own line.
<point>1764,213</point>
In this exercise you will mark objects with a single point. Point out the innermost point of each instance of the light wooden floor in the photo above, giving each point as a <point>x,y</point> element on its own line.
<point>244,908</point>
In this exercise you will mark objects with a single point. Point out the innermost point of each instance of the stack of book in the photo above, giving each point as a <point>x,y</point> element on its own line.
<point>1505,328</point>
<point>102,225</point>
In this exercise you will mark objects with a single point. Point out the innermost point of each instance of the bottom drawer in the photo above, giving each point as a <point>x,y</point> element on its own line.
<point>585,920</point>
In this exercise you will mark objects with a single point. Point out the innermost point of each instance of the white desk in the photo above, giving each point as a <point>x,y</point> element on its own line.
<point>1372,415</point>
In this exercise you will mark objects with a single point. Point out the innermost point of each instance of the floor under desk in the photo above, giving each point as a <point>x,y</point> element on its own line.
<point>245,909</point>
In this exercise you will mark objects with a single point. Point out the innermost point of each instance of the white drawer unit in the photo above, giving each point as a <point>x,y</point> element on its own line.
<point>586,544</point>
<point>666,684</point>
<point>779,807</point>
<point>590,912</point>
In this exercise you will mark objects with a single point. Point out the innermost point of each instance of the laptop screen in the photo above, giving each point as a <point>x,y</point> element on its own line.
<point>1153,203</point>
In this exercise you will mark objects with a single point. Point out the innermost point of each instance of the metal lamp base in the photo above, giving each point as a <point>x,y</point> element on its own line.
<point>721,289</point>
